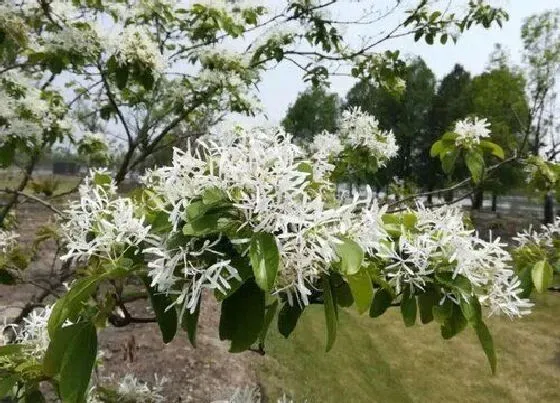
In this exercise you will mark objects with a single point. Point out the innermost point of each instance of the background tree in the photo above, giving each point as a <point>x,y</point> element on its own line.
<point>499,95</point>
<point>313,111</point>
<point>541,41</point>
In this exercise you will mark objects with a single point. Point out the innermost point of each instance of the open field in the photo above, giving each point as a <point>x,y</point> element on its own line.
<point>379,360</point>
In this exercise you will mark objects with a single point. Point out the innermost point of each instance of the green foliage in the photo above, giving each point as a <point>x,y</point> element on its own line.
<point>242,316</point>
<point>351,256</point>
<point>331,314</point>
<point>264,257</point>
<point>362,289</point>
<point>313,111</point>
<point>166,315</point>
<point>288,318</point>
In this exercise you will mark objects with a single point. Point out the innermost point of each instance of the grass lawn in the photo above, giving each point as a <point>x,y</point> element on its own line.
<point>379,360</point>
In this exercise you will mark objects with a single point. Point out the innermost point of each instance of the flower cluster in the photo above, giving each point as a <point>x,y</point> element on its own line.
<point>130,389</point>
<point>470,131</point>
<point>25,114</point>
<point>544,237</point>
<point>8,240</point>
<point>102,224</point>
<point>134,45</point>
<point>440,244</point>
<point>33,333</point>
<point>360,129</point>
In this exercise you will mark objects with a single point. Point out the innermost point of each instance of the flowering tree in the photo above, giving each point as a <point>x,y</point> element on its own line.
<point>243,213</point>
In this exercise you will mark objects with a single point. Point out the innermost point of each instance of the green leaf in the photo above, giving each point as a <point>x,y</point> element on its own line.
<point>443,39</point>
<point>408,309</point>
<point>213,195</point>
<point>454,324</point>
<point>268,317</point>
<point>494,148</point>
<point>71,304</point>
<point>77,364</point>
<point>442,312</point>
<point>10,349</point>
<point>448,160</point>
<point>121,75</point>
<point>475,162</point>
<point>436,149</point>
<point>242,316</point>
<point>487,344</point>
<point>190,321</point>
<point>381,302</point>
<point>471,310</point>
<point>330,311</point>
<point>362,290</point>
<point>526,281</point>
<point>7,384</point>
<point>264,257</point>
<point>288,318</point>
<point>426,302</point>
<point>34,396</point>
<point>243,270</point>
<point>351,256</point>
<point>6,277</point>
<point>166,318</point>
<point>542,275</point>
<point>343,294</point>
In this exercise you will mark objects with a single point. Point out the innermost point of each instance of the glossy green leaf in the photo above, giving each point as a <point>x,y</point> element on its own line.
<point>77,364</point>
<point>264,257</point>
<point>436,149</point>
<point>487,344</point>
<point>448,160</point>
<point>408,309</point>
<point>454,324</point>
<point>166,318</point>
<point>475,163</point>
<point>443,311</point>
<point>494,148</point>
<point>242,316</point>
<point>351,256</point>
<point>426,302</point>
<point>268,317</point>
<point>189,323</point>
<point>288,318</point>
<point>381,302</point>
<point>7,383</point>
<point>362,290</point>
<point>542,275</point>
<point>330,311</point>
<point>471,310</point>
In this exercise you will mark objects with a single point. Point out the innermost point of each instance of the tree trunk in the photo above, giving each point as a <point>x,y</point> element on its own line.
<point>494,202</point>
<point>548,208</point>
<point>478,199</point>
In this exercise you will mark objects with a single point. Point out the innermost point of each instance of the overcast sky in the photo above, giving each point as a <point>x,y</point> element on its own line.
<point>281,85</point>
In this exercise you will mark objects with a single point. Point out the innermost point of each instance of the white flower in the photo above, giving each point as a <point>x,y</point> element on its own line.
<point>8,240</point>
<point>135,45</point>
<point>102,224</point>
<point>130,388</point>
<point>470,131</point>
<point>33,333</point>
<point>360,129</point>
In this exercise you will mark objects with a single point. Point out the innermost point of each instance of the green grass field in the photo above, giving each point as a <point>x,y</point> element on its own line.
<point>379,360</point>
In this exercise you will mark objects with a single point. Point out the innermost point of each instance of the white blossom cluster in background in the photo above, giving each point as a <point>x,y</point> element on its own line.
<point>33,333</point>
<point>131,389</point>
<point>136,45</point>
<point>101,223</point>
<point>8,240</point>
<point>470,131</point>
<point>543,237</point>
<point>358,128</point>
<point>24,114</point>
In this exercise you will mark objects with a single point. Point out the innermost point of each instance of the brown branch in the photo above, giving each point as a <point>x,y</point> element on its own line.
<point>33,198</point>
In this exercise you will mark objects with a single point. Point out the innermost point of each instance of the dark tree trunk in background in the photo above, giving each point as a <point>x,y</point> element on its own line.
<point>548,208</point>
<point>494,202</point>
<point>478,199</point>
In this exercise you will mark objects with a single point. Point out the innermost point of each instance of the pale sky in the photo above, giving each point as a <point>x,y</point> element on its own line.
<point>280,86</point>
